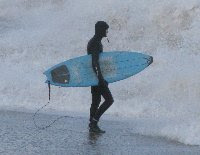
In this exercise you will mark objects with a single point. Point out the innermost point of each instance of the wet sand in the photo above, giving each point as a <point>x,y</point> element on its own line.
<point>70,136</point>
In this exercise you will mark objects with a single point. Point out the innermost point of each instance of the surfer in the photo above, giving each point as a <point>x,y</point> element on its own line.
<point>94,48</point>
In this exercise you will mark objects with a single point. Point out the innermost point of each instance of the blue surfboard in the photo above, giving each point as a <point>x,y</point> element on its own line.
<point>115,66</point>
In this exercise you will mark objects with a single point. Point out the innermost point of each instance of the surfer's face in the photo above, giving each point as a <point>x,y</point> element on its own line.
<point>106,32</point>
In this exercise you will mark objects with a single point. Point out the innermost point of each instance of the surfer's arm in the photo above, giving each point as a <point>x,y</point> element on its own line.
<point>96,66</point>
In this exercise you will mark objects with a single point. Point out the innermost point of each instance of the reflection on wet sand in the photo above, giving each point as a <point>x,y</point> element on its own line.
<point>93,137</point>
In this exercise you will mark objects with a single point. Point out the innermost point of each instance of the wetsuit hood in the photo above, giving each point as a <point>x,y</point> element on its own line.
<point>100,29</point>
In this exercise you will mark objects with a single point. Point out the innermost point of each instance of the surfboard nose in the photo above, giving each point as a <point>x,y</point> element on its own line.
<point>150,60</point>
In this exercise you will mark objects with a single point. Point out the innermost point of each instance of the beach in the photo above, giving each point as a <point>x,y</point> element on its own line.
<point>70,135</point>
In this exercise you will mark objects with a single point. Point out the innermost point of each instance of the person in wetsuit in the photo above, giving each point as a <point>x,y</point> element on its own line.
<point>94,48</point>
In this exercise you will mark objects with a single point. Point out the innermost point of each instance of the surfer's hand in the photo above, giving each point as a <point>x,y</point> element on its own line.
<point>106,82</point>
<point>103,83</point>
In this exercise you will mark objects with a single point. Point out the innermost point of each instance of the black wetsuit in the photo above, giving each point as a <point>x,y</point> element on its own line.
<point>94,48</point>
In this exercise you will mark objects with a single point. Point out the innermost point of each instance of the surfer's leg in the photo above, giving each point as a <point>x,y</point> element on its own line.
<point>96,99</point>
<point>105,92</point>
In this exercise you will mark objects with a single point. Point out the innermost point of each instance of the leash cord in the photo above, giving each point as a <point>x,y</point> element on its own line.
<point>49,125</point>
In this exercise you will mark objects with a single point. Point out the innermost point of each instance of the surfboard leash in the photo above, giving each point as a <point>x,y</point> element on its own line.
<point>49,86</point>
<point>50,124</point>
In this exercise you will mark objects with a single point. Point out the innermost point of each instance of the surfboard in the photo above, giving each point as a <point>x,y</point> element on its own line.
<point>115,66</point>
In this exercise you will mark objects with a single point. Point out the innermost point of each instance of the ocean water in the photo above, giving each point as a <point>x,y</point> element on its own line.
<point>163,99</point>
